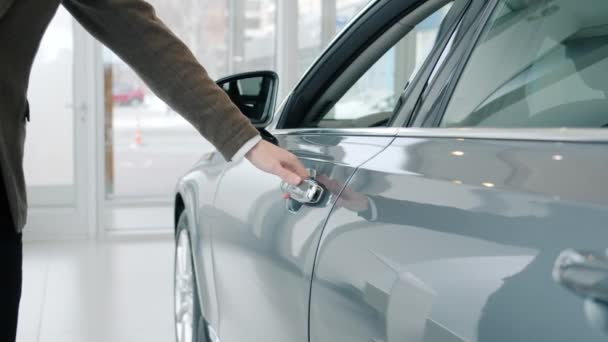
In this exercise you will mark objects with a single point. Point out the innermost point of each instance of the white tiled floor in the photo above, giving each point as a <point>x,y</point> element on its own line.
<point>88,291</point>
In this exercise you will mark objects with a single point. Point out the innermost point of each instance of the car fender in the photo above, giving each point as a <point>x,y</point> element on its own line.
<point>196,190</point>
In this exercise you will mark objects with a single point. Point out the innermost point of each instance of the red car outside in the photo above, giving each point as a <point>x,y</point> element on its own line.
<point>126,95</point>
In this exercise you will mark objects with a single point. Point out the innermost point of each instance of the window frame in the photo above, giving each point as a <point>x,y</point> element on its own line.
<point>375,17</point>
<point>431,70</point>
<point>433,103</point>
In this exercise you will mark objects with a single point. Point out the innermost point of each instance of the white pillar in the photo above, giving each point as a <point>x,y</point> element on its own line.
<point>287,45</point>
<point>237,33</point>
<point>328,21</point>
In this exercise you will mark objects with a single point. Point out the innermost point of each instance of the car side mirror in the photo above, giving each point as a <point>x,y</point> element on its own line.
<point>254,93</point>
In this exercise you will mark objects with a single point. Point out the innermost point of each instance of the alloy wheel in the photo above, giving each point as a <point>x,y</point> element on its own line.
<point>184,289</point>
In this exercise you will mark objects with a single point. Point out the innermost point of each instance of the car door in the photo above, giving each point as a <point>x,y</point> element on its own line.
<point>493,195</point>
<point>264,245</point>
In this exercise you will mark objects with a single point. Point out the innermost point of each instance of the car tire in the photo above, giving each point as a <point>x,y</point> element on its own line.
<point>190,325</point>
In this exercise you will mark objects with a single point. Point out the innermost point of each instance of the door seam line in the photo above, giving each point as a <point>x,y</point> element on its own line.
<point>326,220</point>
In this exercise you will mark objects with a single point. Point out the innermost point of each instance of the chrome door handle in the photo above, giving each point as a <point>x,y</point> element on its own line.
<point>584,273</point>
<point>308,192</point>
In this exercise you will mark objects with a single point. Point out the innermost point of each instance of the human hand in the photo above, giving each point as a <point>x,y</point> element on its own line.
<point>277,161</point>
<point>349,199</point>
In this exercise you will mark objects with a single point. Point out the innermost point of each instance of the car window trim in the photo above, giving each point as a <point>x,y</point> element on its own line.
<point>371,131</point>
<point>434,88</point>
<point>574,135</point>
<point>412,94</point>
<point>433,119</point>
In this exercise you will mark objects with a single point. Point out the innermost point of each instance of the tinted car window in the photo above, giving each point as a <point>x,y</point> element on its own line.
<point>536,64</point>
<point>371,100</point>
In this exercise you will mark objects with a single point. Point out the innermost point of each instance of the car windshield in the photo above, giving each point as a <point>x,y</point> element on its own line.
<point>538,63</point>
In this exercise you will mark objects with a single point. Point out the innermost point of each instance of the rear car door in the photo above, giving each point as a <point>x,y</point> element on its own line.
<point>493,195</point>
<point>339,116</point>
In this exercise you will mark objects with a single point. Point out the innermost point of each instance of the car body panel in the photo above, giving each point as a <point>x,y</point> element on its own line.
<point>463,242</point>
<point>195,192</point>
<point>263,254</point>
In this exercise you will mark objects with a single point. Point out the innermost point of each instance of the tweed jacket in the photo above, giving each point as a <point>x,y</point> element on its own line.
<point>132,30</point>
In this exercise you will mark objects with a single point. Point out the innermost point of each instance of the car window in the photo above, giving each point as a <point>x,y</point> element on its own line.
<point>536,64</point>
<point>370,100</point>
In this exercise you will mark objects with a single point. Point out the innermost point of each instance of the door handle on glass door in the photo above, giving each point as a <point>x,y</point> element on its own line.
<point>584,273</point>
<point>308,192</point>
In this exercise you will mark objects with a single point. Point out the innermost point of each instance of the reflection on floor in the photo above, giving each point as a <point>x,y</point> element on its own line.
<point>97,292</point>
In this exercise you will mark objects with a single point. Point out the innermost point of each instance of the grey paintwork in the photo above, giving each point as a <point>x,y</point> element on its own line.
<point>463,243</point>
<point>461,247</point>
<point>263,253</point>
<point>253,257</point>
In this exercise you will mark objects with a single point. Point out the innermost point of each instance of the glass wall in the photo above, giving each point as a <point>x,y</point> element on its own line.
<point>49,168</point>
<point>318,23</point>
<point>148,146</point>
<point>309,32</point>
<point>252,25</point>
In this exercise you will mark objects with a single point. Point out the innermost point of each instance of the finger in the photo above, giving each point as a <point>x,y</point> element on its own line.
<point>287,175</point>
<point>296,166</point>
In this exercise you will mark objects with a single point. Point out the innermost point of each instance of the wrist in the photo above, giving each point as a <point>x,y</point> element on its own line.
<point>253,149</point>
<point>245,150</point>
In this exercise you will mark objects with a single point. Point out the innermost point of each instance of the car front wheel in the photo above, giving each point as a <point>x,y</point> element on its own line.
<point>189,323</point>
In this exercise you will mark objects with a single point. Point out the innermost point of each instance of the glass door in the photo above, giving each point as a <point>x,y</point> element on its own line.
<point>56,155</point>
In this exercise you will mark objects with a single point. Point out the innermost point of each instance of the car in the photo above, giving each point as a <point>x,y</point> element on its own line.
<point>124,95</point>
<point>474,209</point>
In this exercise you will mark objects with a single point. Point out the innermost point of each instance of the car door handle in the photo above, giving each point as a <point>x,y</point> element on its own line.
<point>308,192</point>
<point>584,273</point>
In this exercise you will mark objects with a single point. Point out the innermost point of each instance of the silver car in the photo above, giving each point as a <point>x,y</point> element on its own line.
<point>458,190</point>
